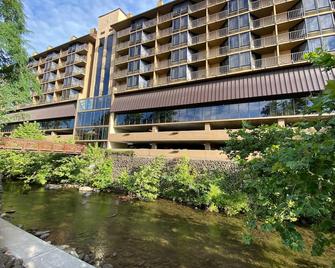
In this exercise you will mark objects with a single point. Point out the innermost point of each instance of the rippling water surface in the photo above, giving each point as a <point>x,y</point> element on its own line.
<point>139,234</point>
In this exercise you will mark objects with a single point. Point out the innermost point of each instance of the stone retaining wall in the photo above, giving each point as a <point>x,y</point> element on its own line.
<point>132,163</point>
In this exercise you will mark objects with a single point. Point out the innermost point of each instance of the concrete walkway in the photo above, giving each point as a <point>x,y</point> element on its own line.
<point>34,252</point>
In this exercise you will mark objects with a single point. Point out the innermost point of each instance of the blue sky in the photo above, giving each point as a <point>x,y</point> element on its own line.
<point>53,22</point>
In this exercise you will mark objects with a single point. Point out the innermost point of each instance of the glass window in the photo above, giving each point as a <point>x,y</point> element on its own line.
<point>99,67</point>
<point>232,6</point>
<point>234,41</point>
<point>309,5</point>
<point>312,24</point>
<point>244,20</point>
<point>245,59</point>
<point>245,39</point>
<point>323,3</point>
<point>233,23</point>
<point>234,61</point>
<point>326,21</point>
<point>314,44</point>
<point>329,43</point>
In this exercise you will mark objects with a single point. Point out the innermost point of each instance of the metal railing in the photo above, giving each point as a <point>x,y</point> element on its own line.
<point>260,4</point>
<point>263,22</point>
<point>198,22</point>
<point>264,42</point>
<point>123,32</point>
<point>149,23</point>
<point>197,39</point>
<point>122,45</point>
<point>197,6</point>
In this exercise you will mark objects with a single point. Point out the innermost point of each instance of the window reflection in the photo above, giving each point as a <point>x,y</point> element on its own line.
<point>217,112</point>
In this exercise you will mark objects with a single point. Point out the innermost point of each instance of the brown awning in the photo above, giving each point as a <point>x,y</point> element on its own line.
<point>45,112</point>
<point>265,84</point>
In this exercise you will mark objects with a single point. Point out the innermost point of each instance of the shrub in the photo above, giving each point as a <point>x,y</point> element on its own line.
<point>144,183</point>
<point>28,130</point>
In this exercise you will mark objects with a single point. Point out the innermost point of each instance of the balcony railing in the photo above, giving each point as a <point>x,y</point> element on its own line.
<point>165,17</point>
<point>216,2</point>
<point>120,73</point>
<point>149,37</point>
<point>164,48</point>
<point>121,59</point>
<point>218,16</point>
<point>264,42</point>
<point>263,22</point>
<point>166,80</point>
<point>260,4</point>
<point>122,45</point>
<point>198,39</point>
<point>290,15</point>
<point>198,22</point>
<point>197,6</point>
<point>218,33</point>
<point>300,35</point>
<point>123,32</point>
<point>149,23</point>
<point>165,32</point>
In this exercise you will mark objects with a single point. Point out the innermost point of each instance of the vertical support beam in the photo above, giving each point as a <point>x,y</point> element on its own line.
<point>207,127</point>
<point>154,129</point>
<point>281,122</point>
<point>207,146</point>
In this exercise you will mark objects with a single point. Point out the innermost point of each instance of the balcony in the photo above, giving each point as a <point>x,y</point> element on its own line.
<point>164,48</point>
<point>120,73</point>
<point>218,33</point>
<point>197,6</point>
<point>123,32</point>
<point>148,37</point>
<point>123,45</point>
<point>165,17</point>
<point>264,42</point>
<point>121,59</point>
<point>197,39</point>
<point>290,15</point>
<point>216,2</point>
<point>124,87</point>
<point>165,32</point>
<point>76,84</point>
<point>191,76</point>
<point>198,23</point>
<point>260,4</point>
<point>218,16</point>
<point>263,22</point>
<point>149,23</point>
<point>300,35</point>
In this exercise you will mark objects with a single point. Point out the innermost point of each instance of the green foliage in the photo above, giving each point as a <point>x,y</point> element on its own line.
<point>28,130</point>
<point>16,80</point>
<point>92,168</point>
<point>292,174</point>
<point>144,183</point>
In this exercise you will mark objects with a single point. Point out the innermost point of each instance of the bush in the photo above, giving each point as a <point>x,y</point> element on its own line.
<point>28,130</point>
<point>144,183</point>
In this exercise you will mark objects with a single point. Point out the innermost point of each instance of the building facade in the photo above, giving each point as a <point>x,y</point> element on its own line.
<point>179,75</point>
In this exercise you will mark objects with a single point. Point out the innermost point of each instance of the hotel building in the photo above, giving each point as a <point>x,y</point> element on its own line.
<point>179,75</point>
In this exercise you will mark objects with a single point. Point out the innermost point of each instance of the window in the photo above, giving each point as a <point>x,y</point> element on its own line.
<point>99,67</point>
<point>235,5</point>
<point>240,60</point>
<point>314,44</point>
<point>180,23</point>
<point>105,90</point>
<point>312,24</point>
<point>326,21</point>
<point>135,37</point>
<point>132,81</point>
<point>134,66</point>
<point>239,40</point>
<point>329,43</point>
<point>238,22</point>
<point>178,72</point>
<point>179,55</point>
<point>179,38</point>
<point>135,51</point>
<point>319,23</point>
<point>309,5</point>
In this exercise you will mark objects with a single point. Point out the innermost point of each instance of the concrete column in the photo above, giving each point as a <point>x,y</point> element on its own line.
<point>154,146</point>
<point>207,126</point>
<point>207,146</point>
<point>281,122</point>
<point>154,129</point>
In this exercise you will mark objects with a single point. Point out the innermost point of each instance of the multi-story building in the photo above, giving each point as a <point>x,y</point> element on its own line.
<point>178,75</point>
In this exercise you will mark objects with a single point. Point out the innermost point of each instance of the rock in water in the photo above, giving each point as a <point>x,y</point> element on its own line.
<point>85,189</point>
<point>53,187</point>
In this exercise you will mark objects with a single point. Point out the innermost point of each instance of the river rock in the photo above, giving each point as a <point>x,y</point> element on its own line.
<point>53,186</point>
<point>40,233</point>
<point>85,189</point>
<point>10,211</point>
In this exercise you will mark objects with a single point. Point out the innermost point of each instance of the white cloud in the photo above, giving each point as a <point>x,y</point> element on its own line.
<point>53,22</point>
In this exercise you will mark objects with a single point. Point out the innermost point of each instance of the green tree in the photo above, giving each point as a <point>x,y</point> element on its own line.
<point>28,130</point>
<point>291,177</point>
<point>16,80</point>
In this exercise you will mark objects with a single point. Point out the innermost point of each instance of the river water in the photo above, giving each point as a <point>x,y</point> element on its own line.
<point>156,234</point>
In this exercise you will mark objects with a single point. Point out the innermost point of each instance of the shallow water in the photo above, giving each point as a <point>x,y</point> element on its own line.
<point>139,234</point>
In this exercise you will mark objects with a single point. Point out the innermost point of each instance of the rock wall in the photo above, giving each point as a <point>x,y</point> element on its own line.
<point>132,163</point>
